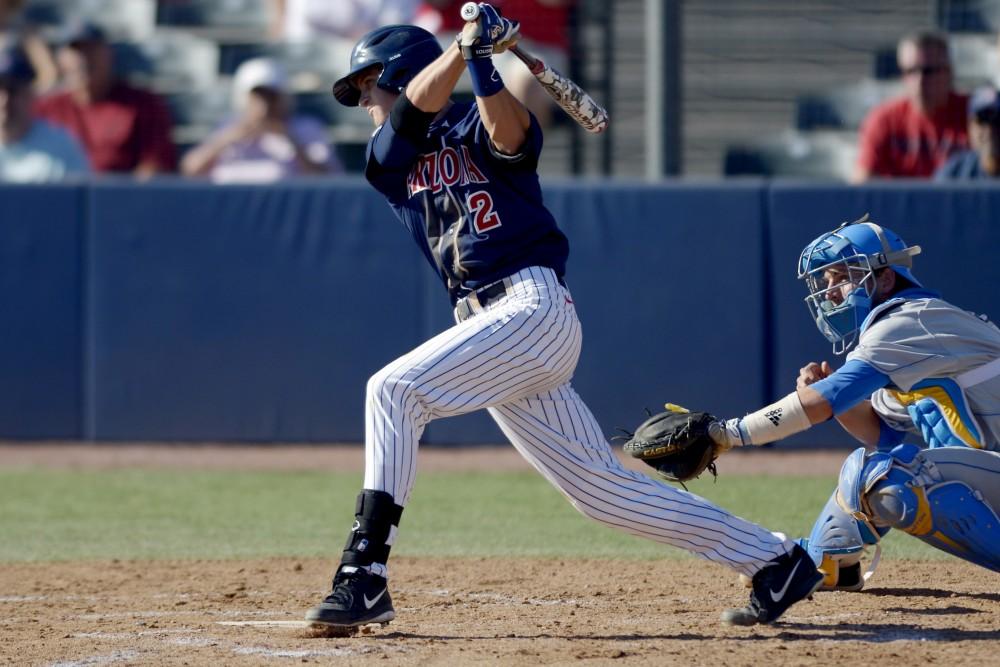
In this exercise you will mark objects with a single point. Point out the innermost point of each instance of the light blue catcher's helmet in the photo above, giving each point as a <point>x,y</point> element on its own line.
<point>855,251</point>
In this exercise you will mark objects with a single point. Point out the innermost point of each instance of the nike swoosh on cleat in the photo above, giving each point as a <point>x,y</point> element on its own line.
<point>776,596</point>
<point>371,603</point>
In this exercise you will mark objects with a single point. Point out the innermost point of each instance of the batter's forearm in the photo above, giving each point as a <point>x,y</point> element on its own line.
<point>431,89</point>
<point>506,120</point>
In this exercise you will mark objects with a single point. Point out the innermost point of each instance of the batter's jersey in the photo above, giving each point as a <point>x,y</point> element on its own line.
<point>476,213</point>
<point>927,347</point>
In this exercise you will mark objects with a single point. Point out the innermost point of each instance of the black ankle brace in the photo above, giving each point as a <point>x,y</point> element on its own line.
<point>375,515</point>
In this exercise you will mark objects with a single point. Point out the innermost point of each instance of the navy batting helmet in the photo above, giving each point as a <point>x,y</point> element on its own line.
<point>401,50</point>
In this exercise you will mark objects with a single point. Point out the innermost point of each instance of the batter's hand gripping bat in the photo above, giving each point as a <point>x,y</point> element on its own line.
<point>575,101</point>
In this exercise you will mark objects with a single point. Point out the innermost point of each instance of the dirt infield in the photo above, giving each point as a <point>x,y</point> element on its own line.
<point>484,611</point>
<point>461,611</point>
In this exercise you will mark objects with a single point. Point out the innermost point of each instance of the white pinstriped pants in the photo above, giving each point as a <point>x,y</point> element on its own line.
<point>516,359</point>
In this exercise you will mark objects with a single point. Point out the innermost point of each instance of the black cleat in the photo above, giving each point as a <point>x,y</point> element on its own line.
<point>780,584</point>
<point>358,598</point>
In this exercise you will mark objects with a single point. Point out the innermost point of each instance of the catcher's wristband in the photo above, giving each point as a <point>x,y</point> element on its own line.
<point>775,422</point>
<point>486,79</point>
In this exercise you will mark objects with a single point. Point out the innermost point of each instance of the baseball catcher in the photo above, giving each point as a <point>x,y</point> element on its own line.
<point>919,369</point>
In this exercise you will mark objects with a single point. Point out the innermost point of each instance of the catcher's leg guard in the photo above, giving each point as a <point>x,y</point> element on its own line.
<point>838,540</point>
<point>947,497</point>
<point>376,518</point>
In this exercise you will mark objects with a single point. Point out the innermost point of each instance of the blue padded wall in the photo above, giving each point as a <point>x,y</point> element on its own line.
<point>244,313</point>
<point>40,297</point>
<point>180,311</point>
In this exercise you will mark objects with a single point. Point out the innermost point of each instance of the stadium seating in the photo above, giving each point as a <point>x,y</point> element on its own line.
<point>844,107</point>
<point>170,61</point>
<point>809,155</point>
<point>213,13</point>
<point>968,15</point>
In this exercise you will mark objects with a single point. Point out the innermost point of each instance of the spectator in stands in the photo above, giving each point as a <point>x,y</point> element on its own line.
<point>123,129</point>
<point>544,33</point>
<point>31,151</point>
<point>16,32</point>
<point>304,20</point>
<point>913,135</point>
<point>983,159</point>
<point>264,142</point>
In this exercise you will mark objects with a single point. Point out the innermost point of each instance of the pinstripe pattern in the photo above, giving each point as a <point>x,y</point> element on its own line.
<point>516,359</point>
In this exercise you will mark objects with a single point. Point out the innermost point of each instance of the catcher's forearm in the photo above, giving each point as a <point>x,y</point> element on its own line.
<point>774,422</point>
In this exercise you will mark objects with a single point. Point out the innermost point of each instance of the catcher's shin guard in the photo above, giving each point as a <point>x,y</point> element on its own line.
<point>376,519</point>
<point>838,540</point>
<point>946,497</point>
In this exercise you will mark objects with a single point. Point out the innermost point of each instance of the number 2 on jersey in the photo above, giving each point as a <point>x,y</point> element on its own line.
<point>484,217</point>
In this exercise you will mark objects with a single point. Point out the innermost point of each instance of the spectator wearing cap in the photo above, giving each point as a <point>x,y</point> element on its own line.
<point>983,159</point>
<point>31,150</point>
<point>264,142</point>
<point>913,135</point>
<point>122,128</point>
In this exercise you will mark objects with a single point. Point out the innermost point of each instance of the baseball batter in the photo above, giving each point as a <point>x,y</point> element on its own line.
<point>462,179</point>
<point>920,369</point>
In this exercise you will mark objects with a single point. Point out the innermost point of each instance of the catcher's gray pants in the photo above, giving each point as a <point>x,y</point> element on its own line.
<point>515,357</point>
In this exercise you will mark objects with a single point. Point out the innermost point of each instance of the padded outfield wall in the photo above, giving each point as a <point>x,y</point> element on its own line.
<point>184,312</point>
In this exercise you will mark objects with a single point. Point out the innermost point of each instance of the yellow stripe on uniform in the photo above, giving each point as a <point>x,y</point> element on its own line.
<point>946,405</point>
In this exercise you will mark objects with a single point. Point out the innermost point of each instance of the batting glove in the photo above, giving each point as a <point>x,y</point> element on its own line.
<point>490,33</point>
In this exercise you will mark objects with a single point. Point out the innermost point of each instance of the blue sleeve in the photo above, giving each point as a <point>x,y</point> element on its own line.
<point>850,384</point>
<point>388,163</point>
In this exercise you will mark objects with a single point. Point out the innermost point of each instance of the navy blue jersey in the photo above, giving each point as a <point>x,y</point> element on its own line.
<point>476,213</point>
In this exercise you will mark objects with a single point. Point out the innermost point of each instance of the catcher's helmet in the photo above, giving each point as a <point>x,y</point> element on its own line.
<point>856,250</point>
<point>401,51</point>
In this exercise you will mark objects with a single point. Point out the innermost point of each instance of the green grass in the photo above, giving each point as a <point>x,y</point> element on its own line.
<point>139,514</point>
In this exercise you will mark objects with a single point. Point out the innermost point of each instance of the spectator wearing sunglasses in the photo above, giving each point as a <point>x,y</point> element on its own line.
<point>983,159</point>
<point>911,136</point>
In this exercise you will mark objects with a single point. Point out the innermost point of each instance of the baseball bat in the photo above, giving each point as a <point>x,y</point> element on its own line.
<point>573,99</point>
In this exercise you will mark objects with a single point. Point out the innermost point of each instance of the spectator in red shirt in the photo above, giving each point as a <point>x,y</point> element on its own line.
<point>122,129</point>
<point>913,135</point>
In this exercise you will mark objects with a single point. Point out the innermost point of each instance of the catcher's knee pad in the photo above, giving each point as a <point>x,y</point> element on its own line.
<point>376,519</point>
<point>839,540</point>
<point>943,510</point>
<point>939,409</point>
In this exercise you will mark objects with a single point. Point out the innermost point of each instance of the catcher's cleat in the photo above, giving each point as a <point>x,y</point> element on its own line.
<point>359,598</point>
<point>780,584</point>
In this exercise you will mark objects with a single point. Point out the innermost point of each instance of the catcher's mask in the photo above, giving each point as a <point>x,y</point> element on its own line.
<point>839,269</point>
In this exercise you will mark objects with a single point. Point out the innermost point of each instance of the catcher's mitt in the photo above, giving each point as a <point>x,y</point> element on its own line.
<point>676,443</point>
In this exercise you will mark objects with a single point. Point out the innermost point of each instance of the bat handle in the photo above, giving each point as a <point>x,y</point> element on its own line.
<point>470,11</point>
<point>534,64</point>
